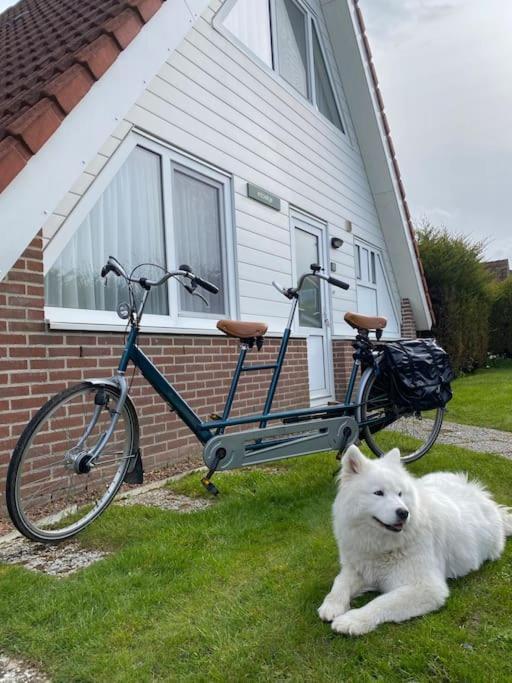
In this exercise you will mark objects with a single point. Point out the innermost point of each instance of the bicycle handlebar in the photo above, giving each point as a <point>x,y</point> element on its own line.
<point>113,266</point>
<point>337,283</point>
<point>292,292</point>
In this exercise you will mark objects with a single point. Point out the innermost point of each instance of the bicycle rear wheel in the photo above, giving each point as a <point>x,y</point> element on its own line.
<point>47,498</point>
<point>413,432</point>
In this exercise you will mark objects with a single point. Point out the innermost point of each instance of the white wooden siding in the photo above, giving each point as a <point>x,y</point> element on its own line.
<point>213,101</point>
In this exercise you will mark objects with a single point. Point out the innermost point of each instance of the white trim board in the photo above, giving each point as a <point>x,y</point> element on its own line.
<point>32,196</point>
<point>349,53</point>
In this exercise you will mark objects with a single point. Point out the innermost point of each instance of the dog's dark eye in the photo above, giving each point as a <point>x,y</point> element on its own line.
<point>399,494</point>
<point>378,493</point>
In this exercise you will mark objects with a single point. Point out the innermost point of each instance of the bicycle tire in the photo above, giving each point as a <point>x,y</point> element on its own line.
<point>34,427</point>
<point>371,436</point>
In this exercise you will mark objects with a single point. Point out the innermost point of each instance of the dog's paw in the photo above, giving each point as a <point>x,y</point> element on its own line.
<point>352,623</point>
<point>330,609</point>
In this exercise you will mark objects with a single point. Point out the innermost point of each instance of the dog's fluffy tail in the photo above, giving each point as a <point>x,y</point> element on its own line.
<point>506,514</point>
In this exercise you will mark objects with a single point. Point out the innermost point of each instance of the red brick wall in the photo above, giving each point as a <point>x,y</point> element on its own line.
<point>36,363</point>
<point>342,351</point>
<point>408,323</point>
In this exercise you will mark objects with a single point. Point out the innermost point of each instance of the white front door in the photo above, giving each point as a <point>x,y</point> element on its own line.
<point>313,322</point>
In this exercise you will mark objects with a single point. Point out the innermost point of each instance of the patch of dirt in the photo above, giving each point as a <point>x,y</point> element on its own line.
<point>14,671</point>
<point>57,560</point>
<point>165,499</point>
<point>163,473</point>
<point>5,526</point>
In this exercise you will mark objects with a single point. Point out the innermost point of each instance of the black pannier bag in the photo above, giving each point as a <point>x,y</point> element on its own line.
<point>418,372</point>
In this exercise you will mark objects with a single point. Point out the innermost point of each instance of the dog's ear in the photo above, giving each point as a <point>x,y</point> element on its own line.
<point>393,456</point>
<point>353,461</point>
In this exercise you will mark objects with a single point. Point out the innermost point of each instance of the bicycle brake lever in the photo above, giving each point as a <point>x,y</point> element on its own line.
<point>191,289</point>
<point>203,299</point>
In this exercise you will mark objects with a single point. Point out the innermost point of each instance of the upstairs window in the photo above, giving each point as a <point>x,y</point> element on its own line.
<point>325,100</point>
<point>292,46</point>
<point>249,21</point>
<point>283,34</point>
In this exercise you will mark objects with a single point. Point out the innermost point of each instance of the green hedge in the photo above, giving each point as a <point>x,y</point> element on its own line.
<point>461,293</point>
<point>500,328</point>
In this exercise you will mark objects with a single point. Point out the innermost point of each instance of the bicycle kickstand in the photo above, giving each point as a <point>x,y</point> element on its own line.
<point>206,481</point>
<point>342,448</point>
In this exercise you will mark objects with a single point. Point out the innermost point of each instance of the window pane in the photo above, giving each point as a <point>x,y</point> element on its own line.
<point>358,262</point>
<point>291,45</point>
<point>126,222</point>
<point>249,21</point>
<point>198,211</point>
<point>310,300</point>
<point>325,100</point>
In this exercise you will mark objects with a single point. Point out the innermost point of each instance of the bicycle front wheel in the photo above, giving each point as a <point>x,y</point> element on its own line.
<point>53,490</point>
<point>388,426</point>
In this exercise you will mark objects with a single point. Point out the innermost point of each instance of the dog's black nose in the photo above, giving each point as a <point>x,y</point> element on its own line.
<point>402,513</point>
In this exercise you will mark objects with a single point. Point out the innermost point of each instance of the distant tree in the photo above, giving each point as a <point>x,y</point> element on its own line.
<point>461,292</point>
<point>500,328</point>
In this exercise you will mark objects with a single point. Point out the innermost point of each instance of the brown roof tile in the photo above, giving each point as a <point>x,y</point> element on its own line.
<point>51,52</point>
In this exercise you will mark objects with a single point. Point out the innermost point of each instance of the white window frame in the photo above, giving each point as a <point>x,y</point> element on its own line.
<point>311,18</point>
<point>176,321</point>
<point>362,244</point>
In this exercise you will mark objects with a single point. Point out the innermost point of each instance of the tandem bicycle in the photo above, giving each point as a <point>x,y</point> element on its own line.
<point>80,447</point>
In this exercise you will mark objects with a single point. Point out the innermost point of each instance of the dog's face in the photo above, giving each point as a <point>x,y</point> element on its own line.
<point>380,493</point>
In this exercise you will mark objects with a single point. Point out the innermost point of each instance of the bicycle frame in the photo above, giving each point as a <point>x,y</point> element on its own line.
<point>204,431</point>
<point>304,430</point>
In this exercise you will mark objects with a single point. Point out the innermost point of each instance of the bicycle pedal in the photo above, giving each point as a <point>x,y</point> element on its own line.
<point>211,488</point>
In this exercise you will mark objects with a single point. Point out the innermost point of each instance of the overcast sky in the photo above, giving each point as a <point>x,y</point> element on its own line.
<point>4,4</point>
<point>445,69</point>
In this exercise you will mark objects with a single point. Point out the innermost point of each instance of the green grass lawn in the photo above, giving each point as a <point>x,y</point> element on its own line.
<point>484,398</point>
<point>230,594</point>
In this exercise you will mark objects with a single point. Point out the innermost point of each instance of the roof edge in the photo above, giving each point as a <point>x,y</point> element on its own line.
<point>27,131</point>
<point>45,177</point>
<point>391,149</point>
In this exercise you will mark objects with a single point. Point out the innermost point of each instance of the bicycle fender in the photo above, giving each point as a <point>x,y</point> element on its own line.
<point>135,469</point>
<point>364,379</point>
<point>111,382</point>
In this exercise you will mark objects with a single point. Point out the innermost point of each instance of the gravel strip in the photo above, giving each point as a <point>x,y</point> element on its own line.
<point>57,560</point>
<point>14,671</point>
<point>479,439</point>
<point>166,499</point>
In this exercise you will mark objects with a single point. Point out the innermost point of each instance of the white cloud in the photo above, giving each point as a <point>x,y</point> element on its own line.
<point>444,69</point>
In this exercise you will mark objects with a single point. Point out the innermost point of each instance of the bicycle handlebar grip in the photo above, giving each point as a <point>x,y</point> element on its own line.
<point>338,283</point>
<point>112,266</point>
<point>206,285</point>
<point>109,268</point>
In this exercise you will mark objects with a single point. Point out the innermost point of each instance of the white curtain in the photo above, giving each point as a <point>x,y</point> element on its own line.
<point>291,45</point>
<point>249,21</point>
<point>324,95</point>
<point>198,226</point>
<point>126,222</point>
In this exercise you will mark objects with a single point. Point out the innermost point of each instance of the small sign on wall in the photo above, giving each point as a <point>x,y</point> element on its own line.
<point>263,196</point>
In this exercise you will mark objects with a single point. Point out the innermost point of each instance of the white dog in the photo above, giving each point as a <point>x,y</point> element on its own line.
<point>404,537</point>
